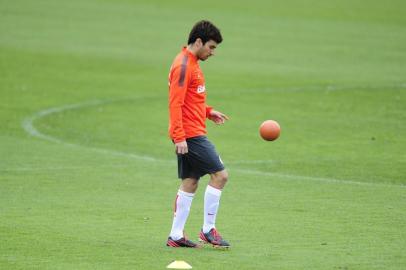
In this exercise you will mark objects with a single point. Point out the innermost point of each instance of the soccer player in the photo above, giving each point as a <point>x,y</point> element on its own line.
<point>195,153</point>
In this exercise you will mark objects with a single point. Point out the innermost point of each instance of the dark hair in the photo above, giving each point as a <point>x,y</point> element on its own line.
<point>206,31</point>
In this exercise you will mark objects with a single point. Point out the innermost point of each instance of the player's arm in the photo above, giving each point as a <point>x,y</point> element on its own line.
<point>177,92</point>
<point>208,110</point>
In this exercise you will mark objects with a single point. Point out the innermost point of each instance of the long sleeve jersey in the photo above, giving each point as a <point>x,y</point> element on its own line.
<point>187,98</point>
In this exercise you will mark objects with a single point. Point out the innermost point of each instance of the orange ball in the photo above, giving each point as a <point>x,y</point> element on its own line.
<point>269,130</point>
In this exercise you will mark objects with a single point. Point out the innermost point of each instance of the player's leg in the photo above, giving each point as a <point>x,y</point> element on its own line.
<point>219,179</point>
<point>182,206</point>
<point>212,196</point>
<point>189,185</point>
<point>212,199</point>
<point>183,202</point>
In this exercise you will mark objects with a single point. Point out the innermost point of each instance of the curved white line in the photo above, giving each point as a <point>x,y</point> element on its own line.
<point>28,126</point>
<point>58,168</point>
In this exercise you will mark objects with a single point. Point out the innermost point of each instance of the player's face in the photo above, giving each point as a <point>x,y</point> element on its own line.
<point>207,50</point>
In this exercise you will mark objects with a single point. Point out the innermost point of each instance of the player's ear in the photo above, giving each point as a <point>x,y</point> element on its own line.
<point>199,42</point>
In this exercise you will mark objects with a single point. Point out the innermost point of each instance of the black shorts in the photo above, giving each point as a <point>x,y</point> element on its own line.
<point>200,160</point>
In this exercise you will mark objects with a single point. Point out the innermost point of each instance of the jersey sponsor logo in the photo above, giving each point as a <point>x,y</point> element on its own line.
<point>201,89</point>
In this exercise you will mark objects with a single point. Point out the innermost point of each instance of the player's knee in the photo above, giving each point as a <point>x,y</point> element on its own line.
<point>225,177</point>
<point>222,177</point>
<point>189,185</point>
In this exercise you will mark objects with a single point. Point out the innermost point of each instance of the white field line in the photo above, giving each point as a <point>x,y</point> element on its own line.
<point>315,179</point>
<point>254,161</point>
<point>327,88</point>
<point>29,127</point>
<point>59,168</point>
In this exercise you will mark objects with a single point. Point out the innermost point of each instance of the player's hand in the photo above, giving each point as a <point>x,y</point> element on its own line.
<point>181,148</point>
<point>218,117</point>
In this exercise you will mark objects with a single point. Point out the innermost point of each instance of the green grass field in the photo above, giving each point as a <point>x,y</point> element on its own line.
<point>88,174</point>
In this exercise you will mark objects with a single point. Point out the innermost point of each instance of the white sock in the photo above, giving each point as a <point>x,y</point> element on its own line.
<point>211,205</point>
<point>183,202</point>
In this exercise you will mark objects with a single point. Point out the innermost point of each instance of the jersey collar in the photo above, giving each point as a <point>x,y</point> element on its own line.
<point>189,53</point>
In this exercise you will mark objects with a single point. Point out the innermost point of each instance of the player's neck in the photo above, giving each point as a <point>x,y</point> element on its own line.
<point>192,49</point>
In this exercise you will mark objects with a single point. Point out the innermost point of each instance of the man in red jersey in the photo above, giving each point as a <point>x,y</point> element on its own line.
<point>196,154</point>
